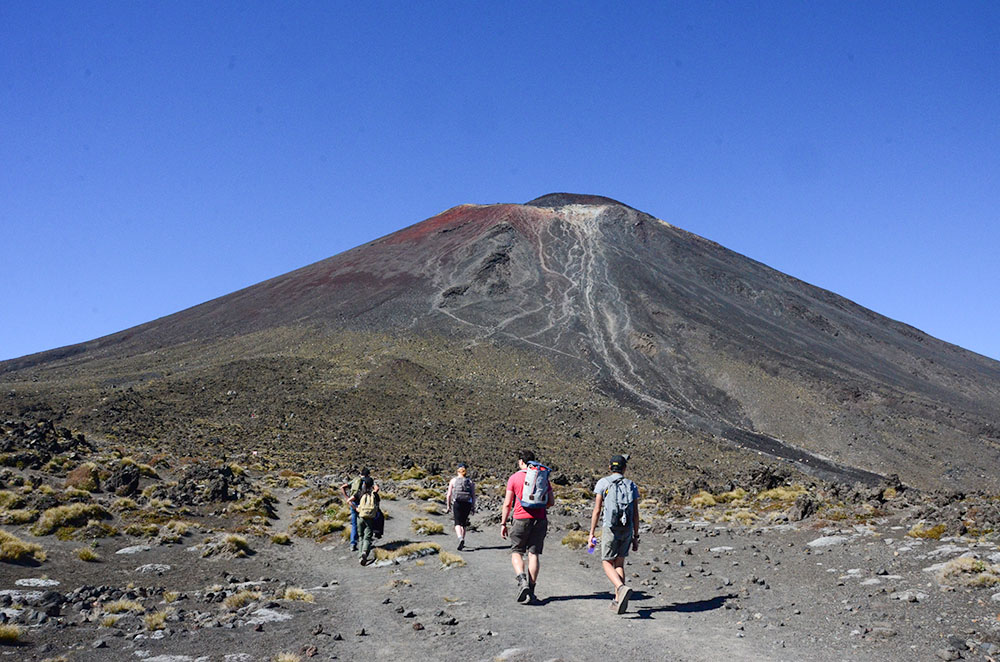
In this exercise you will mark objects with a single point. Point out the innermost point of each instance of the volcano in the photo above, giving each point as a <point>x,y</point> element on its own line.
<point>567,302</point>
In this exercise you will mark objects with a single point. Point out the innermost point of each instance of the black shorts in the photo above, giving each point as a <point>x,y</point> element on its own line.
<point>528,535</point>
<point>461,510</point>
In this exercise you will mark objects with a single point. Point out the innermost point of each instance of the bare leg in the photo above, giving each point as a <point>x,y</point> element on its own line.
<point>517,562</point>
<point>533,564</point>
<point>615,570</point>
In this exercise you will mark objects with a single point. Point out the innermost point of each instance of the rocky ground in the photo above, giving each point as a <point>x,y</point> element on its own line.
<point>108,556</point>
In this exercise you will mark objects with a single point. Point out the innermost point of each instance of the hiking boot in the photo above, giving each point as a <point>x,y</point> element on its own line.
<point>461,544</point>
<point>354,547</point>
<point>622,594</point>
<point>523,589</point>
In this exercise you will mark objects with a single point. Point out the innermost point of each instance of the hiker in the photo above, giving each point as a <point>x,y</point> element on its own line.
<point>528,495</point>
<point>617,504</point>
<point>461,501</point>
<point>349,489</point>
<point>366,503</point>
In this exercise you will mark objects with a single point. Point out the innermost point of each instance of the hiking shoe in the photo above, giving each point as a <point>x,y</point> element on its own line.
<point>354,547</point>
<point>621,598</point>
<point>461,544</point>
<point>523,589</point>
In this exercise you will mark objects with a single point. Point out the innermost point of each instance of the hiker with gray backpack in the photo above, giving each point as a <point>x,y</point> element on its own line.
<point>366,503</point>
<point>616,503</point>
<point>461,501</point>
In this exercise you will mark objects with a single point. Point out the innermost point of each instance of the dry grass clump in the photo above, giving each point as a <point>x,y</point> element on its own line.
<point>237,545</point>
<point>310,526</point>
<point>413,473</point>
<point>15,550</point>
<point>413,550</point>
<point>171,596</point>
<point>241,599</point>
<point>968,571</point>
<point>87,554</point>
<point>143,530</point>
<point>9,633</point>
<point>123,504</point>
<point>737,494</point>
<point>10,499</point>
<point>156,620</point>
<point>427,494</point>
<point>19,516</point>
<point>294,593</point>
<point>741,515</point>
<point>281,539</point>
<point>119,606</point>
<point>73,514</point>
<point>426,527</point>
<point>703,499</point>
<point>576,539</point>
<point>783,493</point>
<point>449,560</point>
<point>110,621</point>
<point>287,657</point>
<point>921,530</point>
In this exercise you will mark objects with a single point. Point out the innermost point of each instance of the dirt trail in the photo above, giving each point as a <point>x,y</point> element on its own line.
<point>469,612</point>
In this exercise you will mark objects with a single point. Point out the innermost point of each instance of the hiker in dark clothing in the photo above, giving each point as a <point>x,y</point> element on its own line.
<point>348,490</point>
<point>365,502</point>
<point>461,499</point>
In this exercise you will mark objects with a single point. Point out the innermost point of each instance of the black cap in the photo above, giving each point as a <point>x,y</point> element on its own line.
<point>618,462</point>
<point>462,465</point>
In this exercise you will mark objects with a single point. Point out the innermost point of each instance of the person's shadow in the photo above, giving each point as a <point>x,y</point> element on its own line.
<point>480,548</point>
<point>697,606</point>
<point>596,595</point>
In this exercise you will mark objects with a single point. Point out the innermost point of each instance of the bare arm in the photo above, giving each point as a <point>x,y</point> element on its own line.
<point>508,503</point>
<point>594,516</point>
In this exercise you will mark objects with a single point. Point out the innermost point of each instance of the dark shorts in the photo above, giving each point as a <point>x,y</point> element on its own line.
<point>528,535</point>
<point>461,510</point>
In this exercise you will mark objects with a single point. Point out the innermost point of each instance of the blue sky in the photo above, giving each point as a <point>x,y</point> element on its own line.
<point>155,155</point>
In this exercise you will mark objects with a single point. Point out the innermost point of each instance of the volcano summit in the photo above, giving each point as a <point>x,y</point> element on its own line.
<point>572,322</point>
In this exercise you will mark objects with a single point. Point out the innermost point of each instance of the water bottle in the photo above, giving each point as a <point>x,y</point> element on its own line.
<point>592,545</point>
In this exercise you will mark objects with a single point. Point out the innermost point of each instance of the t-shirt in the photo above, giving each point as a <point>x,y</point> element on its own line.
<point>515,484</point>
<point>604,484</point>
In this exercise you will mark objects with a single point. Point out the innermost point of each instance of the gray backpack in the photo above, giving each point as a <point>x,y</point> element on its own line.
<point>463,489</point>
<point>618,498</point>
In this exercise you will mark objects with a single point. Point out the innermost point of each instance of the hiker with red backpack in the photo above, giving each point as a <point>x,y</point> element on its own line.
<point>528,495</point>
<point>461,501</point>
<point>616,503</point>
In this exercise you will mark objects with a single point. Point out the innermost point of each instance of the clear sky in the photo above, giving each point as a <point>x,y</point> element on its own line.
<point>155,155</point>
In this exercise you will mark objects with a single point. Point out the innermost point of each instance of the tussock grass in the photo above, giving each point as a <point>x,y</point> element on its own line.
<point>73,514</point>
<point>120,606</point>
<point>19,516</point>
<point>968,571</point>
<point>921,530</point>
<point>426,527</point>
<point>143,530</point>
<point>281,539</point>
<point>123,504</point>
<point>110,621</point>
<point>87,554</point>
<point>287,657</point>
<point>294,593</point>
<point>576,539</point>
<point>156,620</point>
<point>412,550</point>
<point>10,633</point>
<point>171,596</point>
<point>241,599</point>
<point>737,494</point>
<point>413,473</point>
<point>427,494</point>
<point>10,499</point>
<point>236,545</point>
<point>703,499</point>
<point>449,560</point>
<point>782,493</point>
<point>13,549</point>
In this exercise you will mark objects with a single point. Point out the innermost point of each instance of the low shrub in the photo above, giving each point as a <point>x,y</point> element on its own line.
<point>576,539</point>
<point>84,477</point>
